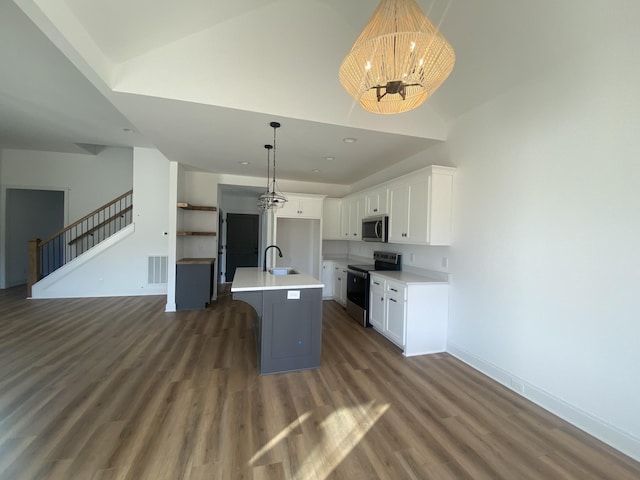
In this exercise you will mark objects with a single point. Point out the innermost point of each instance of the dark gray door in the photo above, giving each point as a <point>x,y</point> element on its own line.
<point>242,242</point>
<point>32,214</point>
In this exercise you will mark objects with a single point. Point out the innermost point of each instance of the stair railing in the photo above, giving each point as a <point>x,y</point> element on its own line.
<point>60,248</point>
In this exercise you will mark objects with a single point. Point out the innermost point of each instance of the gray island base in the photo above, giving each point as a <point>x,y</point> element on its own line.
<point>288,323</point>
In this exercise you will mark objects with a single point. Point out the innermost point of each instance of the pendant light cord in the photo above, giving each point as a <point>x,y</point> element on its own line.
<point>275,126</point>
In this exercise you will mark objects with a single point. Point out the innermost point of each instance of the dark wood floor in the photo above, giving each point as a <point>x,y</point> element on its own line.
<point>114,388</point>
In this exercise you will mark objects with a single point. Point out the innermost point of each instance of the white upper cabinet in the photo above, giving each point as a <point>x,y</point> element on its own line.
<point>376,201</point>
<point>331,226</point>
<point>301,206</point>
<point>353,208</point>
<point>420,207</point>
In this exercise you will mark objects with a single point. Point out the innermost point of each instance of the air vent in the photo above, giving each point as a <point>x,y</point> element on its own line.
<point>158,270</point>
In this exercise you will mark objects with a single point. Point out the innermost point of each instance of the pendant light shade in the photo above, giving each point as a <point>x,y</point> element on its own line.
<point>271,199</point>
<point>398,61</point>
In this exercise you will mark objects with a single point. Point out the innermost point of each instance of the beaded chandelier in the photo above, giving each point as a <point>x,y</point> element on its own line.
<point>398,61</point>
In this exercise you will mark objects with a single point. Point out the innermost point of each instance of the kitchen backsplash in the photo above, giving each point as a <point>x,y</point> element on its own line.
<point>417,256</point>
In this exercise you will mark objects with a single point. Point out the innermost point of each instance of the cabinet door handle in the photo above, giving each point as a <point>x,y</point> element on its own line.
<point>392,300</point>
<point>393,290</point>
<point>376,283</point>
<point>375,209</point>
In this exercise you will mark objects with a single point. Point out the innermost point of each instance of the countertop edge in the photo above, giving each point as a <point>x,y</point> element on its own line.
<point>409,278</point>
<point>274,287</point>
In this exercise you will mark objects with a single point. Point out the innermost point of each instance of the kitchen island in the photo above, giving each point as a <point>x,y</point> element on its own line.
<point>288,324</point>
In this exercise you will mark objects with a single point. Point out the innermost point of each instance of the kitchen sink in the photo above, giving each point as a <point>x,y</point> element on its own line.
<point>282,271</point>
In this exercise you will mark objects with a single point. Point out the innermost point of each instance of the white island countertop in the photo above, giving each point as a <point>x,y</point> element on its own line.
<point>247,279</point>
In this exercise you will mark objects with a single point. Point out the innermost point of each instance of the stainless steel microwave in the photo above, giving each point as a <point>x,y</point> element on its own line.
<point>375,229</point>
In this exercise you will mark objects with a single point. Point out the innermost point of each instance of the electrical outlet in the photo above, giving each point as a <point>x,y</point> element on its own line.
<point>445,262</point>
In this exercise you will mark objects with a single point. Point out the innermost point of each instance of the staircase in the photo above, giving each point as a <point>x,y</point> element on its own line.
<point>56,251</point>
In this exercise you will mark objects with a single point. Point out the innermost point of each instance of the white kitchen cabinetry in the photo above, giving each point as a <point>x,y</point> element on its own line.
<point>420,207</point>
<point>301,206</point>
<point>340,283</point>
<point>345,227</point>
<point>351,219</point>
<point>376,304</point>
<point>395,312</point>
<point>327,279</point>
<point>331,227</point>
<point>412,314</point>
<point>376,201</point>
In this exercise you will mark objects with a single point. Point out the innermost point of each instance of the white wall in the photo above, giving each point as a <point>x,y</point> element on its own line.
<point>545,259</point>
<point>177,70</point>
<point>299,240</point>
<point>88,181</point>
<point>316,188</point>
<point>91,180</point>
<point>122,269</point>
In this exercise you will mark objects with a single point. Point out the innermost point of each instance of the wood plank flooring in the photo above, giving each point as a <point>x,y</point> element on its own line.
<point>114,388</point>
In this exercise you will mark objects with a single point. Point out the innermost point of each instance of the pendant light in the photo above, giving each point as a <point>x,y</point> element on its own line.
<point>398,61</point>
<point>271,199</point>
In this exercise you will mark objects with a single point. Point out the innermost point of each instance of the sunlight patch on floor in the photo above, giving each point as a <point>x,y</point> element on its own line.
<point>282,435</point>
<point>325,442</point>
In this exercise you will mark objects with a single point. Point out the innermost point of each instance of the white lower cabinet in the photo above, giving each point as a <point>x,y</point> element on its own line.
<point>340,283</point>
<point>412,314</point>
<point>376,304</point>
<point>327,279</point>
<point>395,312</point>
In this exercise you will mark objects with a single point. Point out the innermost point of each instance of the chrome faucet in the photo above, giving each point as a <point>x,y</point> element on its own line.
<point>264,268</point>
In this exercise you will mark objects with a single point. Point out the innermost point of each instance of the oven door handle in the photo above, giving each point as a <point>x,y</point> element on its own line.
<point>358,274</point>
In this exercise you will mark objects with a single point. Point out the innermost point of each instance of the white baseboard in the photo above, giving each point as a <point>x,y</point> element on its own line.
<point>618,439</point>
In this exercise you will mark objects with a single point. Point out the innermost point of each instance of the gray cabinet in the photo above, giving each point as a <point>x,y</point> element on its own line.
<point>288,328</point>
<point>194,283</point>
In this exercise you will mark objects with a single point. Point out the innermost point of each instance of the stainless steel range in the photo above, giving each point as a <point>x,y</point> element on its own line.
<point>358,283</point>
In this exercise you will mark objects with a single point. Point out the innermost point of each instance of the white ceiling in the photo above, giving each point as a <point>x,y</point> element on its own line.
<point>201,80</point>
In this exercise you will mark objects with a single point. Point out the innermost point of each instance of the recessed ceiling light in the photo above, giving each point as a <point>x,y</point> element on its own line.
<point>244,163</point>
<point>349,140</point>
<point>315,170</point>
<point>329,158</point>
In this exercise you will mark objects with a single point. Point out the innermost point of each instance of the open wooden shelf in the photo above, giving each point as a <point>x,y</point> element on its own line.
<point>188,206</point>
<point>204,234</point>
